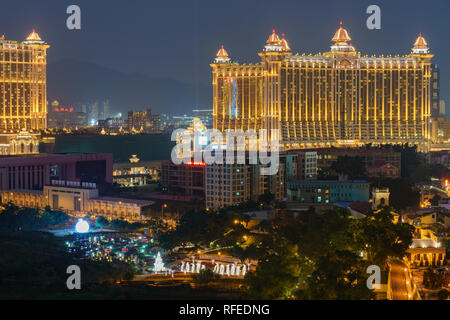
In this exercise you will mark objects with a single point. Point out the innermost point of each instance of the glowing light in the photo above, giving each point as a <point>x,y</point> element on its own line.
<point>203,140</point>
<point>196,164</point>
<point>159,264</point>
<point>82,226</point>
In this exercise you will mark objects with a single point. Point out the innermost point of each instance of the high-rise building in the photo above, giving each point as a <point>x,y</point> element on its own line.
<point>442,108</point>
<point>93,114</point>
<point>306,164</point>
<point>186,179</point>
<point>23,84</point>
<point>328,99</point>
<point>143,121</point>
<point>234,184</point>
<point>61,117</point>
<point>435,91</point>
<point>105,111</point>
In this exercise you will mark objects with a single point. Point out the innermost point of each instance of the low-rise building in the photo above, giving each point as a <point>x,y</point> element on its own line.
<point>78,200</point>
<point>20,143</point>
<point>34,171</point>
<point>186,179</point>
<point>425,253</point>
<point>383,169</point>
<point>135,172</point>
<point>327,191</point>
<point>371,156</point>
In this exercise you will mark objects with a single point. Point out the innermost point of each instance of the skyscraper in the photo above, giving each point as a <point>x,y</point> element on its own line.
<point>328,99</point>
<point>105,111</point>
<point>23,84</point>
<point>435,91</point>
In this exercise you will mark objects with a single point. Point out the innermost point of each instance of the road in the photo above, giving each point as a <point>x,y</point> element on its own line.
<point>401,283</point>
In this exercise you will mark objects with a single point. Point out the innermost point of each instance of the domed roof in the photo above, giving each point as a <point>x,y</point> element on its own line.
<point>285,44</point>
<point>34,36</point>
<point>420,42</point>
<point>273,38</point>
<point>341,35</point>
<point>222,53</point>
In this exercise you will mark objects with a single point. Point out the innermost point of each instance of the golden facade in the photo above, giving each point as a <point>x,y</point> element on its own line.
<point>330,99</point>
<point>23,84</point>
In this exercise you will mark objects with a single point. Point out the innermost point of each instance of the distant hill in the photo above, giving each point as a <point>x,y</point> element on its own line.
<point>76,82</point>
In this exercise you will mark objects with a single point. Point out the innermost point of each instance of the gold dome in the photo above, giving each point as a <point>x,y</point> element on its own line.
<point>222,53</point>
<point>341,35</point>
<point>273,38</point>
<point>285,44</point>
<point>420,42</point>
<point>34,36</point>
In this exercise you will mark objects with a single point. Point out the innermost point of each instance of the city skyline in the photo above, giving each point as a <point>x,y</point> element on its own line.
<point>234,151</point>
<point>186,37</point>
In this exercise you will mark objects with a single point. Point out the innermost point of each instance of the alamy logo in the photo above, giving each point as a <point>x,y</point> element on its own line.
<point>73,22</point>
<point>374,20</point>
<point>209,146</point>
<point>374,280</point>
<point>74,280</point>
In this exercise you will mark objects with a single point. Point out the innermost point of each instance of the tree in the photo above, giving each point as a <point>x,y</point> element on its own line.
<point>380,237</point>
<point>443,294</point>
<point>202,228</point>
<point>308,245</point>
<point>435,200</point>
<point>277,275</point>
<point>266,198</point>
<point>353,167</point>
<point>339,275</point>
<point>51,218</point>
<point>205,276</point>
<point>101,222</point>
<point>432,279</point>
<point>403,193</point>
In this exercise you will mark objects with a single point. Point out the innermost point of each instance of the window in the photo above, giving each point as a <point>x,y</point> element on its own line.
<point>77,203</point>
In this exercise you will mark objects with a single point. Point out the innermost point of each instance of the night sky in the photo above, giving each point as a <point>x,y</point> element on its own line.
<point>178,39</point>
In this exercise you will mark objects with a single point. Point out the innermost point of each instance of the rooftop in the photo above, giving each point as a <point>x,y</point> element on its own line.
<point>141,203</point>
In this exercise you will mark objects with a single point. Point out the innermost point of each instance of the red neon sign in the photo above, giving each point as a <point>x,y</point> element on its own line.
<point>196,164</point>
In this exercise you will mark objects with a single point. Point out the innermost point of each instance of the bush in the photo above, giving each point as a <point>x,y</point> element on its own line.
<point>443,294</point>
<point>205,276</point>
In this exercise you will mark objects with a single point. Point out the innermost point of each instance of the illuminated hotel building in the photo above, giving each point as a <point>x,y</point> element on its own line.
<point>329,99</point>
<point>23,84</point>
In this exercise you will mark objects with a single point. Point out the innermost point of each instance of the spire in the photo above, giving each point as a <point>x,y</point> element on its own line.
<point>273,38</point>
<point>420,46</point>
<point>222,56</point>
<point>284,43</point>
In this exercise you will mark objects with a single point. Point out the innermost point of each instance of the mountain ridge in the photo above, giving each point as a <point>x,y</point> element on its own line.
<point>76,82</point>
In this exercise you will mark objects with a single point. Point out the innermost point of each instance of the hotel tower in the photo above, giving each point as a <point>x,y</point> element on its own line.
<point>336,98</point>
<point>23,84</point>
<point>23,93</point>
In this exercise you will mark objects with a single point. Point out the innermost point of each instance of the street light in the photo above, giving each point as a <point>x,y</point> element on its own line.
<point>164,206</point>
